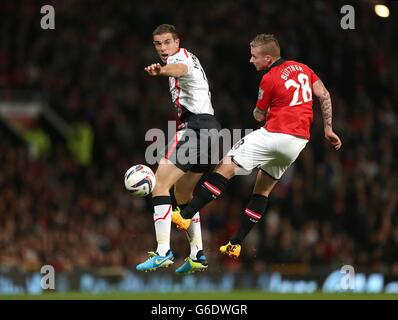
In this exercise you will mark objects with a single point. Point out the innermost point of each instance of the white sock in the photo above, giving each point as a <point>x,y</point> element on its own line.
<point>194,234</point>
<point>162,220</point>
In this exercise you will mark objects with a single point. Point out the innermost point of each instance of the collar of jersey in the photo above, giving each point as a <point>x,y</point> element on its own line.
<point>179,49</point>
<point>276,63</point>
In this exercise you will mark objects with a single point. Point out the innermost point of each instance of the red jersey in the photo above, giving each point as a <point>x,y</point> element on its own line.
<point>286,93</point>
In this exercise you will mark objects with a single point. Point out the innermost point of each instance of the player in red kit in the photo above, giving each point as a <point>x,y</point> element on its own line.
<point>285,103</point>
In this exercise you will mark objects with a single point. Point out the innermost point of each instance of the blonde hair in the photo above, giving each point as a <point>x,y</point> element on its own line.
<point>268,43</point>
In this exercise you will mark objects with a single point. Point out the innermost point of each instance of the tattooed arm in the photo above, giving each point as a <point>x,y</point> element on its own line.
<point>326,103</point>
<point>326,106</point>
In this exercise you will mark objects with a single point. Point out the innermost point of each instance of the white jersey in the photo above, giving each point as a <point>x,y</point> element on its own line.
<point>190,92</point>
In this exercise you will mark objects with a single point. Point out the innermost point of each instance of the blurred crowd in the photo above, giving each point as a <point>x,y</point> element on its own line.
<point>330,209</point>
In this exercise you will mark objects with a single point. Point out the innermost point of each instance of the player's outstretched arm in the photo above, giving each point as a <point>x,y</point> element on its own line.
<point>169,70</point>
<point>326,106</point>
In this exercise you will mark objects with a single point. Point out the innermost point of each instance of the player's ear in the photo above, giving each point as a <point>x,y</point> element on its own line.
<point>177,42</point>
<point>268,58</point>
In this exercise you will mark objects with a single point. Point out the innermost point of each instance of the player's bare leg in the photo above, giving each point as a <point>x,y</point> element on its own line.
<point>167,175</point>
<point>183,192</point>
<point>227,168</point>
<point>184,187</point>
<point>264,184</point>
<point>252,213</point>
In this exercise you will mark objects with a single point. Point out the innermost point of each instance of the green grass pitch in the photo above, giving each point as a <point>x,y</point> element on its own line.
<point>235,295</point>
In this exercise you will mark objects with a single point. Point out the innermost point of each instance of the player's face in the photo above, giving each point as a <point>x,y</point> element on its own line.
<point>166,45</point>
<point>260,60</point>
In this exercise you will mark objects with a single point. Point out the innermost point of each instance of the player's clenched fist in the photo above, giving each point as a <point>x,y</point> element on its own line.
<point>153,69</point>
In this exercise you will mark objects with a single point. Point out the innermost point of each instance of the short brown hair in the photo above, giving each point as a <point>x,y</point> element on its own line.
<point>166,28</point>
<point>269,43</point>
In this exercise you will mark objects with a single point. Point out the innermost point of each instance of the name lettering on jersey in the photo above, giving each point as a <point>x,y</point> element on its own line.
<point>197,65</point>
<point>195,60</point>
<point>294,67</point>
<point>190,91</point>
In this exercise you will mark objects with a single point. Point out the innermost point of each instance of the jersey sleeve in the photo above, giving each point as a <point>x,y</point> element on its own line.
<point>264,94</point>
<point>314,76</point>
<point>182,57</point>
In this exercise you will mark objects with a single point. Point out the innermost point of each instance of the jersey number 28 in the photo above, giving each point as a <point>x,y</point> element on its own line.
<point>306,92</point>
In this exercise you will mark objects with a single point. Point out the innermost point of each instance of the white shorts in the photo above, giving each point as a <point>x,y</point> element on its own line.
<point>272,152</point>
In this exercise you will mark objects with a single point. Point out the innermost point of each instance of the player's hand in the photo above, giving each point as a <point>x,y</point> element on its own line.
<point>333,139</point>
<point>153,69</point>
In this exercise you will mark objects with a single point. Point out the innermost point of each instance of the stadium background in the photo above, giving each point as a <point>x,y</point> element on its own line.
<point>62,200</point>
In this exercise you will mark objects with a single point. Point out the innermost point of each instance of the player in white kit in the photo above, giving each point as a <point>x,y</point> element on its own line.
<point>182,163</point>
